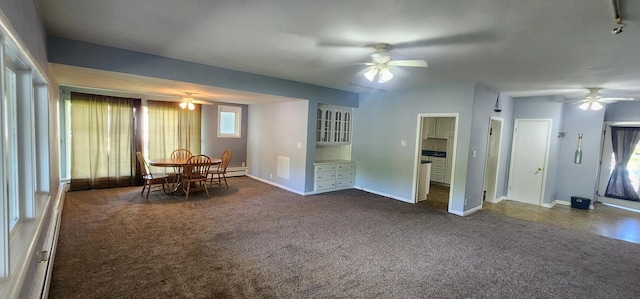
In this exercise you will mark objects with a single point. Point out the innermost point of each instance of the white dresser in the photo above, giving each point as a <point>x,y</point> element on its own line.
<point>333,175</point>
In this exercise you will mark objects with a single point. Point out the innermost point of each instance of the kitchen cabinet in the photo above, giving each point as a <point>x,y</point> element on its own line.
<point>438,169</point>
<point>449,162</point>
<point>334,175</point>
<point>438,127</point>
<point>333,125</point>
<point>445,127</point>
<point>429,127</point>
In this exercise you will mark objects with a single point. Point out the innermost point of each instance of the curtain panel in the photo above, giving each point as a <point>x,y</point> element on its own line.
<point>102,142</point>
<point>171,127</point>
<point>624,141</point>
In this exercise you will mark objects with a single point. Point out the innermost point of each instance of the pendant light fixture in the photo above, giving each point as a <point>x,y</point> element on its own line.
<point>497,107</point>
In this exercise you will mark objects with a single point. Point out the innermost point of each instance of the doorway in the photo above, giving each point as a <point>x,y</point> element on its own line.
<point>529,156</point>
<point>607,165</point>
<point>435,149</point>
<point>493,159</point>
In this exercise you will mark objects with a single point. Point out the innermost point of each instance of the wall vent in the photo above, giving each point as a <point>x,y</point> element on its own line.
<point>282,167</point>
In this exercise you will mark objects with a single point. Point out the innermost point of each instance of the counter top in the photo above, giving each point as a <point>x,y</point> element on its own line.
<point>330,161</point>
<point>434,153</point>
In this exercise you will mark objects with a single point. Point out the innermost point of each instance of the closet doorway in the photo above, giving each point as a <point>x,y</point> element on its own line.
<point>493,159</point>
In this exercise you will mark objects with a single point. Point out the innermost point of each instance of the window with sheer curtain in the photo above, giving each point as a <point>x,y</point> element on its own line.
<point>102,147</point>
<point>170,128</point>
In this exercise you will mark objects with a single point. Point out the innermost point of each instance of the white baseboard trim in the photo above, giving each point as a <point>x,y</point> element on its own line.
<point>328,190</point>
<point>549,205</point>
<point>471,211</point>
<point>275,184</point>
<point>458,213</point>
<point>562,202</point>
<point>383,194</point>
<point>497,200</point>
<point>467,212</point>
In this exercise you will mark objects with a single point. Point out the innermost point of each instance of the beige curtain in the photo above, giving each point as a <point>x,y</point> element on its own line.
<point>102,141</point>
<point>171,127</point>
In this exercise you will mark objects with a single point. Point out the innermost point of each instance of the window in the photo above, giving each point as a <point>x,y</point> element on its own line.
<point>167,127</point>
<point>230,118</point>
<point>12,148</point>
<point>102,142</point>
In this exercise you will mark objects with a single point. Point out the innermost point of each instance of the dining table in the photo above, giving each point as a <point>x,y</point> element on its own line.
<point>177,162</point>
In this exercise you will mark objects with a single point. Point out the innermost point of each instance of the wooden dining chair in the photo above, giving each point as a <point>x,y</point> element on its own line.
<point>221,170</point>
<point>194,174</point>
<point>149,178</point>
<point>179,154</point>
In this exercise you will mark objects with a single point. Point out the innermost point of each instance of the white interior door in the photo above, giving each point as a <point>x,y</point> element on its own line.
<point>493,156</point>
<point>529,154</point>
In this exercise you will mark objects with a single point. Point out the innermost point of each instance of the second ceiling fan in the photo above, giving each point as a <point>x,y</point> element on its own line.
<point>594,100</point>
<point>381,62</point>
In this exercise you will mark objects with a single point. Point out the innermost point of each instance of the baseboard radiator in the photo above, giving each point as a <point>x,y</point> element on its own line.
<point>37,265</point>
<point>237,171</point>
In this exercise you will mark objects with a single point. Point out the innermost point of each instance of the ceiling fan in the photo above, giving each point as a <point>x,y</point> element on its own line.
<point>594,100</point>
<point>381,61</point>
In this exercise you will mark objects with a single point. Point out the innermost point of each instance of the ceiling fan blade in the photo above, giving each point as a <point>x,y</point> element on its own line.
<point>201,102</point>
<point>411,63</point>
<point>573,101</point>
<point>611,100</point>
<point>461,38</point>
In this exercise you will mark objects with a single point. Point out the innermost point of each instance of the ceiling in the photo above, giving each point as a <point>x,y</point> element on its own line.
<point>521,48</point>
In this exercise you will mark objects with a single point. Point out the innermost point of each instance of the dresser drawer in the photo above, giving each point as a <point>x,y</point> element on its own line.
<point>325,167</point>
<point>345,166</point>
<point>343,174</point>
<point>325,175</point>
<point>342,183</point>
<point>325,185</point>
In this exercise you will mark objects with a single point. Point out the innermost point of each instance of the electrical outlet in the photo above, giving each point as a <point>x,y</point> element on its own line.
<point>271,175</point>
<point>465,202</point>
<point>403,143</point>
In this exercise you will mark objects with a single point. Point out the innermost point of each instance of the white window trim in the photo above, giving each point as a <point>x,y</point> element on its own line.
<point>238,111</point>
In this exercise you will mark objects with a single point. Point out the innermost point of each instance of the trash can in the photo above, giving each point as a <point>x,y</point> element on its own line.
<point>580,202</point>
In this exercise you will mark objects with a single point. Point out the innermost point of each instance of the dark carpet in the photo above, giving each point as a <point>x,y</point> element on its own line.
<point>255,240</point>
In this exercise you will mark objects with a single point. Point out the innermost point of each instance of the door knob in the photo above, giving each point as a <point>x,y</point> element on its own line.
<point>539,169</point>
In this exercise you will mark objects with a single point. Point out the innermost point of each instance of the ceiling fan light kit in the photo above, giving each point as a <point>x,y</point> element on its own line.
<point>591,105</point>
<point>381,61</point>
<point>593,100</point>
<point>187,102</point>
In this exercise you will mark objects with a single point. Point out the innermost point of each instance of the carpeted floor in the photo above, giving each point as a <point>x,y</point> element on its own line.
<point>255,240</point>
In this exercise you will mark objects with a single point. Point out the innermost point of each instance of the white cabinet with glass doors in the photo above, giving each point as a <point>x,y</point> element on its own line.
<point>333,125</point>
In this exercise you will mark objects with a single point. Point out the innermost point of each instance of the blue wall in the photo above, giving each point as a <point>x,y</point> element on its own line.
<point>70,52</point>
<point>547,107</point>
<point>623,111</point>
<point>483,109</point>
<point>579,179</point>
<point>384,119</point>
